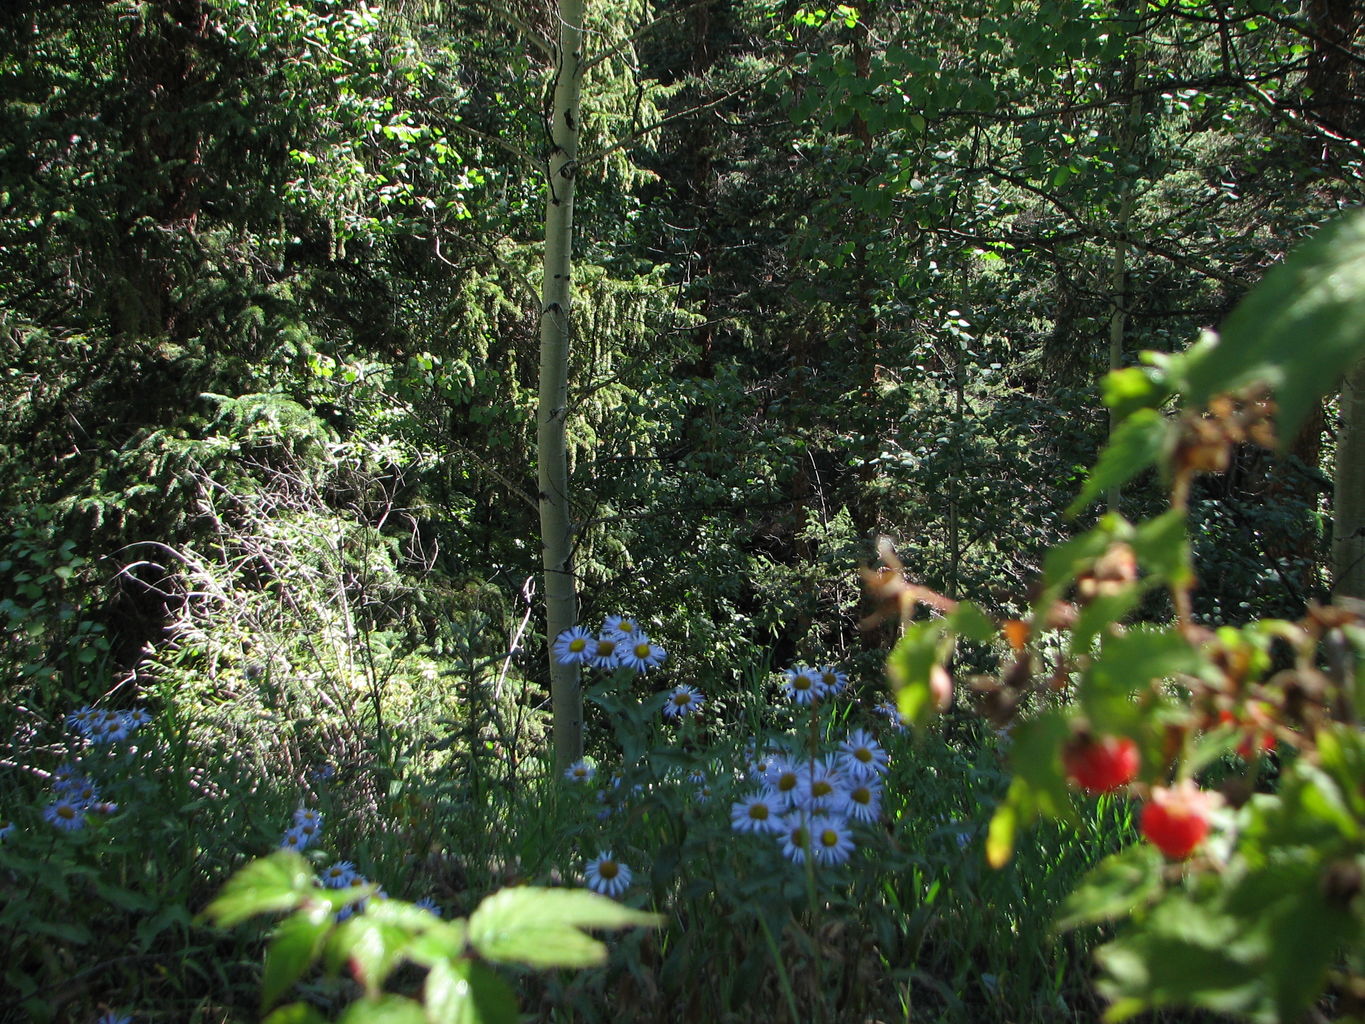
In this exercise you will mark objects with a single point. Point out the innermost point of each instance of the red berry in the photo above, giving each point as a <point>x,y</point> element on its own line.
<point>1103,764</point>
<point>1175,820</point>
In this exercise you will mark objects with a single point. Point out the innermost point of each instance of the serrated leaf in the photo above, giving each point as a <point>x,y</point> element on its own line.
<point>1313,302</point>
<point>1114,888</point>
<point>373,949</point>
<point>278,882</point>
<point>541,927</point>
<point>439,941</point>
<point>1129,662</point>
<point>294,946</point>
<point>1136,444</point>
<point>464,992</point>
<point>384,1010</point>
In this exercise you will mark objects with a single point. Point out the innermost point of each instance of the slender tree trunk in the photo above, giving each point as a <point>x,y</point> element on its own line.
<point>556,528</point>
<point>1348,521</point>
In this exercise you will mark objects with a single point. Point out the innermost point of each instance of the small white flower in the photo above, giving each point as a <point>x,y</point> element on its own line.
<point>785,781</point>
<point>604,651</point>
<point>607,875</point>
<point>580,771</point>
<point>761,812</point>
<point>864,801</point>
<point>795,837</point>
<point>835,682</point>
<point>683,701</point>
<point>803,685</point>
<point>296,839</point>
<point>824,788</point>
<point>889,711</point>
<point>623,627</point>
<point>573,646</point>
<point>831,839</point>
<point>862,756</point>
<point>308,816</point>
<point>640,653</point>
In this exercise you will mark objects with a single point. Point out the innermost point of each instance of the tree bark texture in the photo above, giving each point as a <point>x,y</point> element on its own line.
<point>556,325</point>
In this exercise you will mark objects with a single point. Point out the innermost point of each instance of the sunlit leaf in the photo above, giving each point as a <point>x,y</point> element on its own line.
<point>279,882</point>
<point>541,927</point>
<point>465,992</point>
<point>1135,445</point>
<point>1114,888</point>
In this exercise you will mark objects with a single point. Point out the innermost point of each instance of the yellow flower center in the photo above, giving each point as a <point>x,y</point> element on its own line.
<point>829,837</point>
<point>821,788</point>
<point>863,754</point>
<point>642,650</point>
<point>608,869</point>
<point>66,811</point>
<point>786,782</point>
<point>759,812</point>
<point>578,644</point>
<point>800,683</point>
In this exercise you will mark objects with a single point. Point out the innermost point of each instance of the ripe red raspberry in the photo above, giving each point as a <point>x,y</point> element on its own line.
<point>1099,765</point>
<point>1176,820</point>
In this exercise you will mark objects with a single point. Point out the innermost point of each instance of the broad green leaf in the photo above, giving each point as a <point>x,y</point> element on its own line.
<point>294,946</point>
<point>1036,757</point>
<point>279,882</point>
<point>1126,391</point>
<point>970,621</point>
<point>1186,954</point>
<point>1129,662</point>
<point>295,1013</point>
<point>440,941</point>
<point>541,927</point>
<point>1114,888</point>
<point>1136,444</point>
<point>384,1010</point>
<point>373,949</point>
<point>1311,304</point>
<point>909,666</point>
<point>1162,546</point>
<point>465,992</point>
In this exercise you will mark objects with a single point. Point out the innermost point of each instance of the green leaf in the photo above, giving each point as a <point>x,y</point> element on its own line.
<point>441,941</point>
<point>1127,391</point>
<point>279,882</point>
<point>909,665</point>
<point>464,992</point>
<point>1012,812</point>
<point>1064,562</point>
<point>970,621</point>
<point>1036,757</point>
<point>1135,444</point>
<point>541,927</point>
<point>295,1013</point>
<point>295,945</point>
<point>1298,331</point>
<point>1186,953</point>
<point>384,1010</point>
<point>373,949</point>
<point>1162,546</point>
<point>1129,662</point>
<point>1114,888</point>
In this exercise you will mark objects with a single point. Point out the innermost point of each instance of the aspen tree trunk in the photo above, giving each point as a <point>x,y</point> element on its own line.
<point>552,457</point>
<point>1348,522</point>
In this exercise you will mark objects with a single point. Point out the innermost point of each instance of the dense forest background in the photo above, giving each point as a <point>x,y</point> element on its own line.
<point>270,305</point>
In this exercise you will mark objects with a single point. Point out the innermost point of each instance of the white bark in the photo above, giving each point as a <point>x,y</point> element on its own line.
<point>556,325</point>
